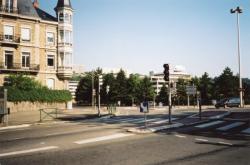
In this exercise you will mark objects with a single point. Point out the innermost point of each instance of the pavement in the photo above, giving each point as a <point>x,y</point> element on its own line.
<point>105,140</point>
<point>190,116</point>
<point>79,113</point>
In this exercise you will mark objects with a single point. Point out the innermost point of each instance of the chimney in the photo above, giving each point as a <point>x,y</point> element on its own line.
<point>36,4</point>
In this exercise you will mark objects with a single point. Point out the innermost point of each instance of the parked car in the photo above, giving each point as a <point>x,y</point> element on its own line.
<point>221,103</point>
<point>233,102</point>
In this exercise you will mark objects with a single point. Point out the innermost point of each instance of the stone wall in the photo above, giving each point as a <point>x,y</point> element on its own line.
<point>29,106</point>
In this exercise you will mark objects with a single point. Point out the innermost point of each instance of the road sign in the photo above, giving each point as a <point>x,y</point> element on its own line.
<point>144,107</point>
<point>191,90</point>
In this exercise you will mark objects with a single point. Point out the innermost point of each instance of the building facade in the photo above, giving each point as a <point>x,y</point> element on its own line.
<point>35,43</point>
<point>158,81</point>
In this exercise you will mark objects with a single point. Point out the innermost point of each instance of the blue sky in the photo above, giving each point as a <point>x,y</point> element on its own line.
<point>141,35</point>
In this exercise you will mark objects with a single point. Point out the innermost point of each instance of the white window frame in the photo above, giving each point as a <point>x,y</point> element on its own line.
<point>23,37</point>
<point>26,54</point>
<point>9,7</point>
<point>47,38</point>
<point>8,52</point>
<point>51,56</point>
<point>7,35</point>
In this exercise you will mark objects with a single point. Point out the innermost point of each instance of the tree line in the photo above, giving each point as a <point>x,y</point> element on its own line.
<point>135,89</point>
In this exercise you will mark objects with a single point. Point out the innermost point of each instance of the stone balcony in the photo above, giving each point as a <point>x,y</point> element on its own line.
<point>64,72</point>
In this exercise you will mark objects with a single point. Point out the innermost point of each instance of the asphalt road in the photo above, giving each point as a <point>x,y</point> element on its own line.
<point>106,142</point>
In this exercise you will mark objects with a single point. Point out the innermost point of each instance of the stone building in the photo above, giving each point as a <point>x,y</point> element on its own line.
<point>36,43</point>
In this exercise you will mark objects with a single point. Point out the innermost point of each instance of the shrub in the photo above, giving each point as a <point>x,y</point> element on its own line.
<point>38,95</point>
<point>23,88</point>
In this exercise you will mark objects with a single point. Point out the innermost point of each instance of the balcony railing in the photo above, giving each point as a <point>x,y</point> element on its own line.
<point>19,67</point>
<point>9,39</point>
<point>65,68</point>
<point>6,9</point>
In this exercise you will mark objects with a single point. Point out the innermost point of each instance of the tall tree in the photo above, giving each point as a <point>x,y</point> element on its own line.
<point>84,90</point>
<point>133,84</point>
<point>181,92</point>
<point>226,85</point>
<point>205,88</point>
<point>146,92</point>
<point>163,95</point>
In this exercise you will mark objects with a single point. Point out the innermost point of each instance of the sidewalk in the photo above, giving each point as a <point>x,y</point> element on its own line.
<point>82,113</point>
<point>32,117</point>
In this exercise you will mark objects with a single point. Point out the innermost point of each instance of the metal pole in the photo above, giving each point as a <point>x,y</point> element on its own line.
<point>239,60</point>
<point>99,98</point>
<point>169,103</point>
<point>93,95</point>
<point>188,100</point>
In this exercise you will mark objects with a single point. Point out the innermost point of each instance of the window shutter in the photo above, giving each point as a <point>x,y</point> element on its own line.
<point>25,34</point>
<point>8,30</point>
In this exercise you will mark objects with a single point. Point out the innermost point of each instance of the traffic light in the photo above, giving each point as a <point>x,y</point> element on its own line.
<point>166,72</point>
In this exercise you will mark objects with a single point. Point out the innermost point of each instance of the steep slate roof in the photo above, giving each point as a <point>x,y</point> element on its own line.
<point>45,16</point>
<point>25,7</point>
<point>63,3</point>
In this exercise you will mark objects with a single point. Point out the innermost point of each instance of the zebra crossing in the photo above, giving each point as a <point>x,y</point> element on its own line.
<point>240,127</point>
<point>135,120</point>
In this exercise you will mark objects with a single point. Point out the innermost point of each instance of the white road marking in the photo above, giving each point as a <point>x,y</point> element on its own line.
<point>129,120</point>
<point>246,131</point>
<point>163,121</point>
<point>225,143</point>
<point>103,138</point>
<point>230,126</point>
<point>154,129</point>
<point>180,136</point>
<point>203,140</point>
<point>15,127</point>
<point>149,120</point>
<point>28,151</point>
<point>209,124</point>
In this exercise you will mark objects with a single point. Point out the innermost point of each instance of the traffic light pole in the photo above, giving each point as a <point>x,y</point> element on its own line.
<point>169,103</point>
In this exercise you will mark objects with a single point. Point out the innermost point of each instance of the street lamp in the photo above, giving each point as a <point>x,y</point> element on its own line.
<point>238,10</point>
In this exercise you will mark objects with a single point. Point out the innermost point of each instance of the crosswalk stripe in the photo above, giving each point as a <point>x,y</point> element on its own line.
<point>163,121</point>
<point>103,138</point>
<point>148,120</point>
<point>209,124</point>
<point>230,126</point>
<point>246,131</point>
<point>153,129</point>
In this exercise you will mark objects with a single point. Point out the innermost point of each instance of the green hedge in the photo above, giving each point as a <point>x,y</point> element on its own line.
<point>38,95</point>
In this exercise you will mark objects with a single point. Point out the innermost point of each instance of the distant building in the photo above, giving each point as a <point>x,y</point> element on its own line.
<point>158,78</point>
<point>78,69</point>
<point>115,71</point>
<point>72,86</point>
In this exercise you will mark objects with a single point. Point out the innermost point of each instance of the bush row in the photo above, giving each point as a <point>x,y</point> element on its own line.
<point>38,95</point>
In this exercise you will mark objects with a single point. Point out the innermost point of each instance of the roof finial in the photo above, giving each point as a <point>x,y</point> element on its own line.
<point>36,4</point>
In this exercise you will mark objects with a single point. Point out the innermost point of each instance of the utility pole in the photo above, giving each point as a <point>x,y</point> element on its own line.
<point>93,90</point>
<point>238,10</point>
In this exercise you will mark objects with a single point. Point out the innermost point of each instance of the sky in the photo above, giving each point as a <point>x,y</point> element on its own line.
<point>142,35</point>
